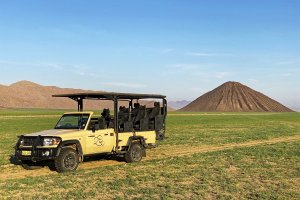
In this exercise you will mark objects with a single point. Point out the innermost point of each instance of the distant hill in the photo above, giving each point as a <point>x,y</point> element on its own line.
<point>178,104</point>
<point>26,94</point>
<point>235,97</point>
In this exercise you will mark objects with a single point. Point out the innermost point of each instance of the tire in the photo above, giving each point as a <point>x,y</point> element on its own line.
<point>67,160</point>
<point>135,153</point>
<point>29,165</point>
<point>160,135</point>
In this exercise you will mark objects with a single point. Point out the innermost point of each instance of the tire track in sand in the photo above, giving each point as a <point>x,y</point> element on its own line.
<point>166,151</point>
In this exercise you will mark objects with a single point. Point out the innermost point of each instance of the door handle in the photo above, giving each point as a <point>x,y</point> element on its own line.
<point>106,134</point>
<point>91,136</point>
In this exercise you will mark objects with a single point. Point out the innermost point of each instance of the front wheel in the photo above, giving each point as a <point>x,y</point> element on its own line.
<point>135,153</point>
<point>67,160</point>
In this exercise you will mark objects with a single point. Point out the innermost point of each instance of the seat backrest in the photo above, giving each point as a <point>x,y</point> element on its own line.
<point>123,115</point>
<point>102,123</point>
<point>106,114</point>
<point>121,112</point>
<point>159,122</point>
<point>136,109</point>
<point>126,114</point>
<point>155,111</point>
<point>141,114</point>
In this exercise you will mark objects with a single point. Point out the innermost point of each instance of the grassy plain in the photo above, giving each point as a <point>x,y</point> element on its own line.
<point>205,156</point>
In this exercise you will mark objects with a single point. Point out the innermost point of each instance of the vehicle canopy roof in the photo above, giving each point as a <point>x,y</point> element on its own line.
<point>110,96</point>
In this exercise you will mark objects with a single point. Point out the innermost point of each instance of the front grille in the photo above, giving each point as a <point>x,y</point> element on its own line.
<point>28,141</point>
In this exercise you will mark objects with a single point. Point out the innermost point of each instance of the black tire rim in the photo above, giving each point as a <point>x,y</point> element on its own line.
<point>70,161</point>
<point>136,154</point>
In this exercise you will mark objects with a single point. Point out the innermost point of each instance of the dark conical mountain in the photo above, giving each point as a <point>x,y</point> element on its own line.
<point>234,97</point>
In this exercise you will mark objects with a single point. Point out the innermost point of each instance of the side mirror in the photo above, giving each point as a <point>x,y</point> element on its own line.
<point>93,128</point>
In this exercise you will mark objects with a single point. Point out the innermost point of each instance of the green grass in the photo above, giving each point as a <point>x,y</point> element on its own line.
<point>217,128</point>
<point>264,172</point>
<point>260,172</point>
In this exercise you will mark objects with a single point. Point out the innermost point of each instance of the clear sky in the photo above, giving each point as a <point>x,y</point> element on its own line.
<point>178,48</point>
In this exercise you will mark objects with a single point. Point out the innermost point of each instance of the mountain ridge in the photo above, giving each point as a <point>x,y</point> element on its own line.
<point>178,104</point>
<point>27,94</point>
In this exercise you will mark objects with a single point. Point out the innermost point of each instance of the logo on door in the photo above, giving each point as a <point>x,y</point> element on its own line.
<point>98,140</point>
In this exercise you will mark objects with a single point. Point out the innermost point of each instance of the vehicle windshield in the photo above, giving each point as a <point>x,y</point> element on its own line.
<point>72,121</point>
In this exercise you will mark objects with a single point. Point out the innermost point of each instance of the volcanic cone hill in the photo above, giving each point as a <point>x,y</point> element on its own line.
<point>234,97</point>
<point>26,94</point>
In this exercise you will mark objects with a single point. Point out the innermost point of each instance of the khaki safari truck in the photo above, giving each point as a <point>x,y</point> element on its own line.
<point>127,132</point>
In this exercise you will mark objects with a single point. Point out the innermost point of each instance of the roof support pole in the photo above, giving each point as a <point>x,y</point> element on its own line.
<point>116,121</point>
<point>165,107</point>
<point>80,104</point>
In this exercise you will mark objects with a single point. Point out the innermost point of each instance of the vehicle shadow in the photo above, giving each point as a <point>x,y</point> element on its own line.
<point>13,160</point>
<point>103,157</point>
<point>50,164</point>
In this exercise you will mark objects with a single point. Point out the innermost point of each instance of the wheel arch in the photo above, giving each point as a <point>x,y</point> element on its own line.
<point>71,143</point>
<point>140,139</point>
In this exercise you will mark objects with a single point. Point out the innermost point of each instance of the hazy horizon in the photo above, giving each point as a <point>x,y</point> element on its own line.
<point>176,104</point>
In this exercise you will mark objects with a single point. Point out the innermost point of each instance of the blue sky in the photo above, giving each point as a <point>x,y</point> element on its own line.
<point>178,48</point>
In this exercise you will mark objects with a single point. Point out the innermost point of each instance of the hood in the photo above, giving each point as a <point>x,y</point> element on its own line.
<point>53,132</point>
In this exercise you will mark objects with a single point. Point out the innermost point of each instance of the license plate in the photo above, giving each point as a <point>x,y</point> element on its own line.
<point>26,153</point>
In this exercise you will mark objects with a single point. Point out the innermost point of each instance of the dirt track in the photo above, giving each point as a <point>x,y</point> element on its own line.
<point>17,172</point>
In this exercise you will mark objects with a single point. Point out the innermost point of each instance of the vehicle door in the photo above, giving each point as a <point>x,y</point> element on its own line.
<point>100,141</point>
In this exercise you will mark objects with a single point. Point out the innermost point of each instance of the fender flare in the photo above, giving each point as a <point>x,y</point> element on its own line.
<point>142,141</point>
<point>68,142</point>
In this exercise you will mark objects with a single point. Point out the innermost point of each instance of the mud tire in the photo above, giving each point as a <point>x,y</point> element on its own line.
<point>135,153</point>
<point>67,160</point>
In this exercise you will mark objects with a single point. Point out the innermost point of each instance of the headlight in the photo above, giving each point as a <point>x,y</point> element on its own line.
<point>51,141</point>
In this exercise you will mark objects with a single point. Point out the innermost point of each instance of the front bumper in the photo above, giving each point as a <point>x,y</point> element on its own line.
<point>35,152</point>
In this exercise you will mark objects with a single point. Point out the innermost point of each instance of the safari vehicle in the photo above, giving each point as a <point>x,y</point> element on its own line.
<point>127,133</point>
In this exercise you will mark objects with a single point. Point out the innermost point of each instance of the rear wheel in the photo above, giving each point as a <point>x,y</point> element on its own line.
<point>29,165</point>
<point>135,153</point>
<point>67,160</point>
